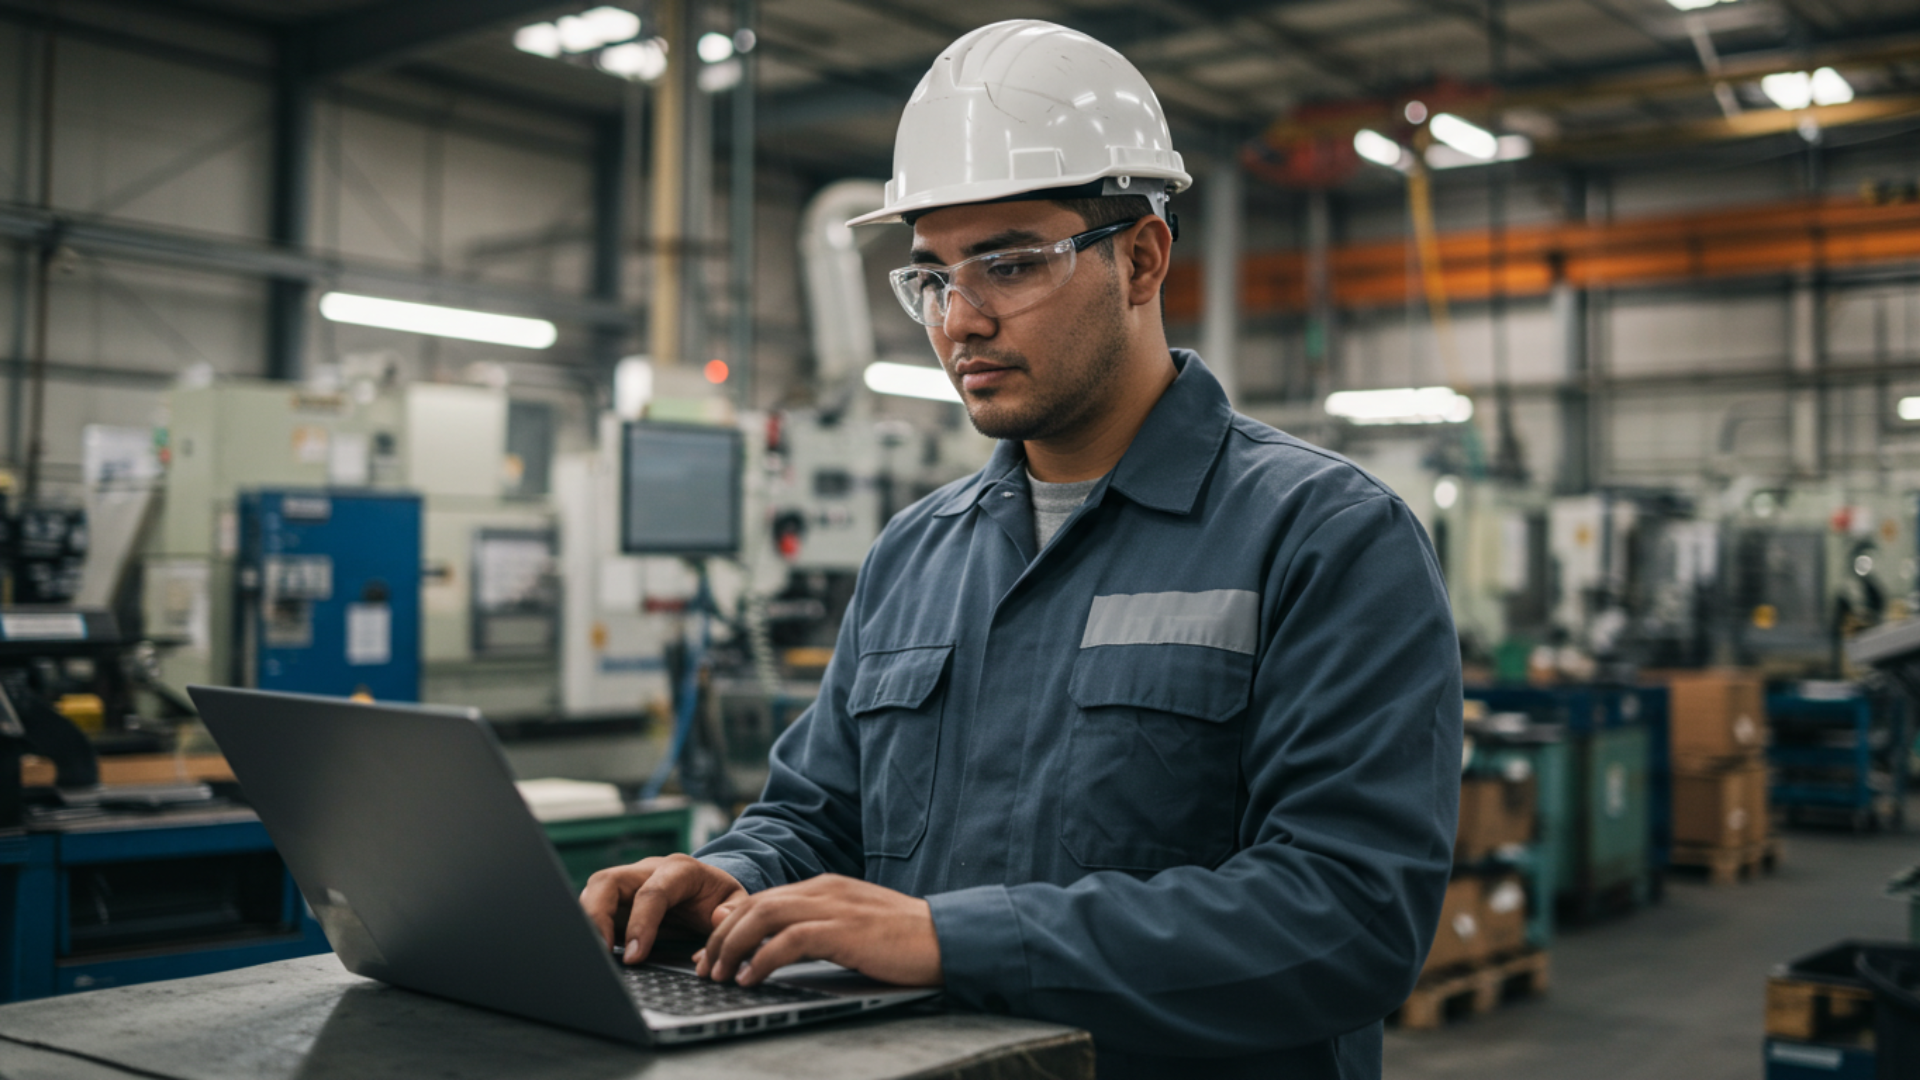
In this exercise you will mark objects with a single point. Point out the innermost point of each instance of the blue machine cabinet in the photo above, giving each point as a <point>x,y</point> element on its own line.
<point>329,593</point>
<point>59,942</point>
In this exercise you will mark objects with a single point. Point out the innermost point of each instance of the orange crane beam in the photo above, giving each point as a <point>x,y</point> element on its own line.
<point>1753,241</point>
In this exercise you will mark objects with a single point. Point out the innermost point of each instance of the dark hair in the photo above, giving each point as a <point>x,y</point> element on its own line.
<point>1105,210</point>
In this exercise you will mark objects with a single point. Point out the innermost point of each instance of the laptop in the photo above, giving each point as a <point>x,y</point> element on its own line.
<point>405,833</point>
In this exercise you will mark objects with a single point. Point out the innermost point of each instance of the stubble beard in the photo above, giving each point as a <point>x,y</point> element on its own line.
<point>1081,392</point>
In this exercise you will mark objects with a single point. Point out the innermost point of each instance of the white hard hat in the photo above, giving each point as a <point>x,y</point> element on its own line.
<point>1024,106</point>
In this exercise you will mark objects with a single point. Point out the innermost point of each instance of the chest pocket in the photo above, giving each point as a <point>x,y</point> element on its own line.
<point>1154,755</point>
<point>896,704</point>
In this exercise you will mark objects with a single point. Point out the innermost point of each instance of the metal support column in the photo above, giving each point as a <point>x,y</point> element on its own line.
<point>1807,316</point>
<point>23,260</point>
<point>1568,304</point>
<point>611,156</point>
<point>287,224</point>
<point>1319,296</point>
<point>740,210</point>
<point>1220,325</point>
<point>43,280</point>
<point>1569,307</point>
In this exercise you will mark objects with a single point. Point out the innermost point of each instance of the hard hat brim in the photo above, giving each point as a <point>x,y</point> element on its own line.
<point>982,193</point>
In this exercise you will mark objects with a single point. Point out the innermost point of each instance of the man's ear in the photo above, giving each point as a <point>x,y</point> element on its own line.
<point>1145,253</point>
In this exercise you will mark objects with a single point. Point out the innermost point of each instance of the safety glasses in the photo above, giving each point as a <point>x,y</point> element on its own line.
<point>997,284</point>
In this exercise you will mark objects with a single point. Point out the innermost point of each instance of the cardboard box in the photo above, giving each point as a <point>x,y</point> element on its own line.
<point>1717,714</point>
<point>1494,812</point>
<point>1759,792</point>
<point>1503,915</point>
<point>1722,808</point>
<point>1458,941</point>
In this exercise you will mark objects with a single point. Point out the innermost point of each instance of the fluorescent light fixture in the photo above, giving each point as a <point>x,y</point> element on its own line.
<point>1422,405</point>
<point>1511,148</point>
<point>714,48</point>
<point>613,24</point>
<point>1831,88</point>
<point>1790,90</point>
<point>1909,408</point>
<point>1696,5</point>
<point>716,78</point>
<point>592,29</point>
<point>596,28</point>
<point>1377,148</point>
<point>910,380</point>
<point>438,321</point>
<point>642,60</point>
<point>1470,139</point>
<point>540,39</point>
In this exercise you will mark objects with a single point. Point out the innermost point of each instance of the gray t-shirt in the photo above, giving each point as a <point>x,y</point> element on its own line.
<point>1053,504</point>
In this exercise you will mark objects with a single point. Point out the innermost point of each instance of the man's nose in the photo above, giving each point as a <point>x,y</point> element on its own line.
<point>964,321</point>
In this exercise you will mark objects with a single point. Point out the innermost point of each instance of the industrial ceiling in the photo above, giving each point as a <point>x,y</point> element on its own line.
<point>1584,79</point>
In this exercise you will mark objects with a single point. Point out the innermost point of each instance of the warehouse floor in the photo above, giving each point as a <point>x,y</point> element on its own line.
<point>1675,992</point>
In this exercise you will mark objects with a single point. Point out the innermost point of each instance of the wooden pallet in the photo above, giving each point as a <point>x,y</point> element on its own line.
<point>1727,865</point>
<point>1809,1010</point>
<point>1446,996</point>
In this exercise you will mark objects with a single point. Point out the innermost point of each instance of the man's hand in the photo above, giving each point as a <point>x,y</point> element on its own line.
<point>880,933</point>
<point>679,891</point>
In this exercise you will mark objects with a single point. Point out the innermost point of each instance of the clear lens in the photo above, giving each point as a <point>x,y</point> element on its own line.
<point>998,284</point>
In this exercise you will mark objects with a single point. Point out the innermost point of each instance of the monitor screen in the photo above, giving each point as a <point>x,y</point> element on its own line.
<point>680,489</point>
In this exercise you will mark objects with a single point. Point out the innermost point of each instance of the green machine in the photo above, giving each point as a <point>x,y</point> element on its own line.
<point>1607,814</point>
<point>589,844</point>
<point>1600,757</point>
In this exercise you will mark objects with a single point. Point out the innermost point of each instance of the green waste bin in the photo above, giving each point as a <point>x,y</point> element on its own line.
<point>591,844</point>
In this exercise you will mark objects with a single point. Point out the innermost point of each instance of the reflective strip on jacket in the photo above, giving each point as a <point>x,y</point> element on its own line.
<point>1187,778</point>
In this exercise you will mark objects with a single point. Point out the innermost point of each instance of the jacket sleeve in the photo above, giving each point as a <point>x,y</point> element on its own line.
<point>807,822</point>
<point>1319,923</point>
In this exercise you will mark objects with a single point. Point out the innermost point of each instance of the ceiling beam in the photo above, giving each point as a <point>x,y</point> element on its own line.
<point>882,89</point>
<point>389,32</point>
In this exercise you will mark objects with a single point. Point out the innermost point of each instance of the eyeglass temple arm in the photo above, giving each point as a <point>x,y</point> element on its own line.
<point>1093,236</point>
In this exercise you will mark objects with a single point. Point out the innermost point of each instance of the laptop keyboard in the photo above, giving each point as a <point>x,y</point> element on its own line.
<point>679,993</point>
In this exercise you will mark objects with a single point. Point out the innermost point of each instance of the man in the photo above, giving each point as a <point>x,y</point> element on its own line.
<point>1150,727</point>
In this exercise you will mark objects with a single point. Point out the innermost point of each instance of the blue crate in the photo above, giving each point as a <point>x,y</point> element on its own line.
<point>1851,766</point>
<point>1816,1061</point>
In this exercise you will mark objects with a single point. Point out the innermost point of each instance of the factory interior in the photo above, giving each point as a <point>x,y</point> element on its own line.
<point>516,360</point>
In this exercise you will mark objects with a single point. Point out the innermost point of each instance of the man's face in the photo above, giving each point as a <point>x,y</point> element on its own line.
<point>1038,373</point>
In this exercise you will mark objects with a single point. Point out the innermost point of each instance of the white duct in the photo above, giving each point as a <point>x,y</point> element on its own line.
<point>835,278</point>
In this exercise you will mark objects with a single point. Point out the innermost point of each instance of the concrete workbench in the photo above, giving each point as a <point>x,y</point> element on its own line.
<point>311,1019</point>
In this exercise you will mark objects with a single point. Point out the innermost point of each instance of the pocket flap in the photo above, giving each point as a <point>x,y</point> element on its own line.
<point>1191,680</point>
<point>897,678</point>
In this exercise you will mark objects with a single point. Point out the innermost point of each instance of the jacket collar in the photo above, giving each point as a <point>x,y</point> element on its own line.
<point>1165,465</point>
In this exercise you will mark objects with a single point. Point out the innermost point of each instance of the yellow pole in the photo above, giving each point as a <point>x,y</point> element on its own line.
<point>669,183</point>
<point>1426,244</point>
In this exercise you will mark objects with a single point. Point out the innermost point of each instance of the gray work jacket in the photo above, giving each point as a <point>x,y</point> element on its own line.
<point>1187,778</point>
